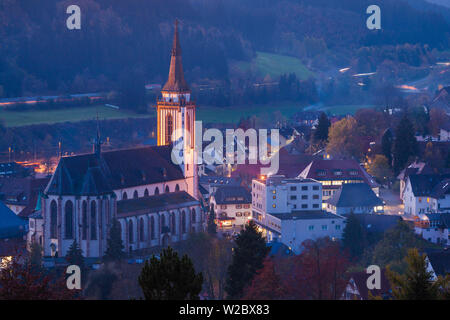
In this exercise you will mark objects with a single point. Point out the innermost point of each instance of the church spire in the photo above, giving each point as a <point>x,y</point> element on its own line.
<point>176,82</point>
<point>97,140</point>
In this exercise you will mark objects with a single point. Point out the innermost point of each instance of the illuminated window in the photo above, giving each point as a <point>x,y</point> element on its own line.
<point>274,206</point>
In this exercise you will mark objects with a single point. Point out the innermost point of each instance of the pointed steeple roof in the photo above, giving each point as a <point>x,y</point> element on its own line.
<point>176,82</point>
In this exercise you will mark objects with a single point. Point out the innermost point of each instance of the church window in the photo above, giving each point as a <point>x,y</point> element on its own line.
<point>53,219</point>
<point>173,224</point>
<point>141,229</point>
<point>130,231</point>
<point>152,227</point>
<point>167,189</point>
<point>156,191</point>
<point>177,187</point>
<point>124,196</point>
<point>84,221</point>
<point>135,194</point>
<point>93,221</point>
<point>183,221</point>
<point>68,220</point>
<point>193,216</point>
<point>146,193</point>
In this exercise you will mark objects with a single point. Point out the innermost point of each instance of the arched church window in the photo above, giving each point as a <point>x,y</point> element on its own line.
<point>124,196</point>
<point>53,219</point>
<point>68,220</point>
<point>156,191</point>
<point>130,231</point>
<point>84,221</point>
<point>173,223</point>
<point>135,194</point>
<point>193,216</point>
<point>141,229</point>
<point>177,187</point>
<point>169,128</point>
<point>152,227</point>
<point>167,189</point>
<point>93,220</point>
<point>183,221</point>
<point>163,220</point>
<point>146,193</point>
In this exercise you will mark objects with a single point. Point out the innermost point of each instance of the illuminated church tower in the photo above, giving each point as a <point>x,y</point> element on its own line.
<point>176,116</point>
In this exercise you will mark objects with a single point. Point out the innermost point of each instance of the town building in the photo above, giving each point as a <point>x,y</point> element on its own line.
<point>426,193</point>
<point>153,197</point>
<point>21,194</point>
<point>357,289</point>
<point>334,173</point>
<point>13,169</point>
<point>355,198</point>
<point>289,211</point>
<point>232,206</point>
<point>434,227</point>
<point>438,261</point>
<point>414,168</point>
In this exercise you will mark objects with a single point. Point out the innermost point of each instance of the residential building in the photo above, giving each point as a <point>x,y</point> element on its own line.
<point>289,211</point>
<point>357,289</point>
<point>232,206</point>
<point>21,194</point>
<point>414,168</point>
<point>334,173</point>
<point>434,227</point>
<point>427,193</point>
<point>354,197</point>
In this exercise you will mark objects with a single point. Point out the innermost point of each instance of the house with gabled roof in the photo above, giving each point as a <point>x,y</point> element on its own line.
<point>334,173</point>
<point>427,193</point>
<point>355,198</point>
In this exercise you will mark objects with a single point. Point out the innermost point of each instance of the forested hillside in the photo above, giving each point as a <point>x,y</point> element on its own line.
<point>123,42</point>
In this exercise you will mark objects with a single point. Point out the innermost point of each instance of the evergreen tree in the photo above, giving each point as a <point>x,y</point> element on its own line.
<point>417,283</point>
<point>212,227</point>
<point>248,257</point>
<point>405,144</point>
<point>114,249</point>
<point>353,237</point>
<point>35,256</point>
<point>386,145</point>
<point>75,255</point>
<point>170,278</point>
<point>321,132</point>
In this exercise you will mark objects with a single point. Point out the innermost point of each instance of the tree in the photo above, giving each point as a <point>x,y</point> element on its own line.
<point>114,250</point>
<point>319,271</point>
<point>387,141</point>
<point>170,278</point>
<point>35,258</point>
<point>405,144</point>
<point>394,246</point>
<point>417,283</point>
<point>380,169</point>
<point>344,140</point>
<point>248,256</point>
<point>266,285</point>
<point>75,255</point>
<point>212,227</point>
<point>438,117</point>
<point>21,281</point>
<point>321,132</point>
<point>353,236</point>
<point>211,256</point>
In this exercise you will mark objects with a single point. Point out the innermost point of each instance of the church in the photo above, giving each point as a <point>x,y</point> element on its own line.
<point>154,199</point>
